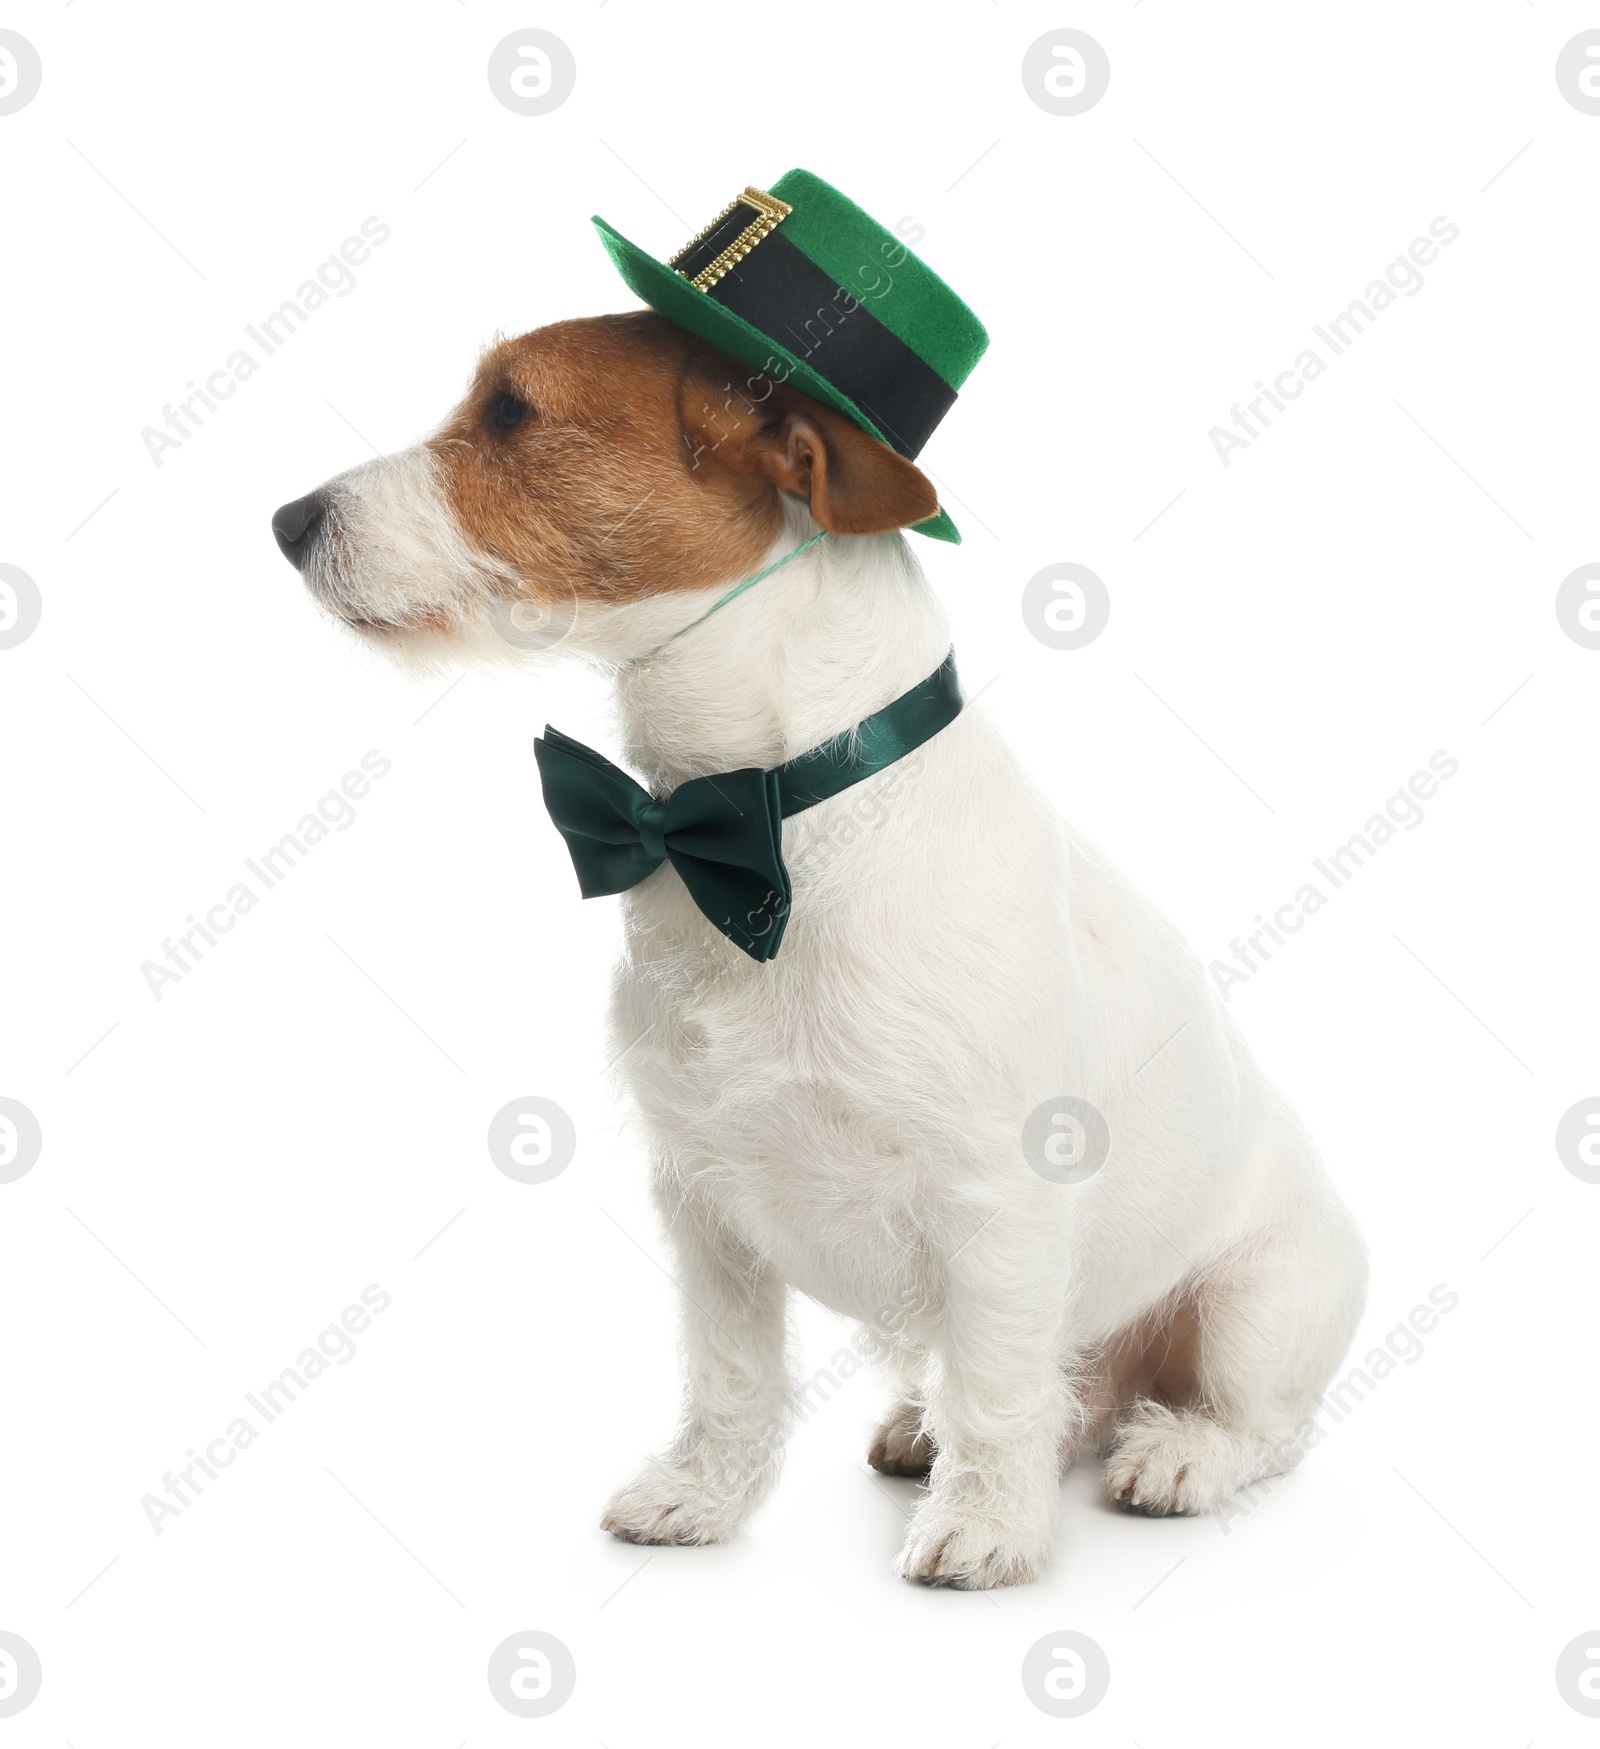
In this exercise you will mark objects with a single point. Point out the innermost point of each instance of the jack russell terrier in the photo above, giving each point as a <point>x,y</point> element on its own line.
<point>901,1040</point>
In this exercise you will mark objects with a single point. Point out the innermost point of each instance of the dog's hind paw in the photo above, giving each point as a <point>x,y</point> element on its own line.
<point>1168,1462</point>
<point>967,1550</point>
<point>901,1447</point>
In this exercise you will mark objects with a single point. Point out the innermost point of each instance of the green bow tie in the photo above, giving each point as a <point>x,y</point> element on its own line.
<point>724,834</point>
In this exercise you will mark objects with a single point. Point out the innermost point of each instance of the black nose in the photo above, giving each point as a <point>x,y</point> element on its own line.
<point>295,526</point>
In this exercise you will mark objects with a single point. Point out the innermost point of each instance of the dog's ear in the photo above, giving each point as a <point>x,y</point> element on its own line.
<point>856,485</point>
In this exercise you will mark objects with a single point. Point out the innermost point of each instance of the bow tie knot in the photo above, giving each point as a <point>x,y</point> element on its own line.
<point>652,824</point>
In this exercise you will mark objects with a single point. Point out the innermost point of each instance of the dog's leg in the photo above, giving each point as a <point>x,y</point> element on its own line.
<point>902,1446</point>
<point>737,1392</point>
<point>1270,1324</point>
<point>999,1404</point>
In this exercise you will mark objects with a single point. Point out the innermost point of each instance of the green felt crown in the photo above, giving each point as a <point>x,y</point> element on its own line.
<point>804,287</point>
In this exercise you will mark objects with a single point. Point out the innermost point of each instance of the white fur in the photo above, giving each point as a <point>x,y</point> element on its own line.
<point>396,551</point>
<point>845,1121</point>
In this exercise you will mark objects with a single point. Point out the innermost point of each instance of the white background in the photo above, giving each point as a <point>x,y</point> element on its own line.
<point>306,1110</point>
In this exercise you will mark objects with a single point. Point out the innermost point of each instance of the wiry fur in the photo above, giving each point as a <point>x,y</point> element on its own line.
<point>845,1120</point>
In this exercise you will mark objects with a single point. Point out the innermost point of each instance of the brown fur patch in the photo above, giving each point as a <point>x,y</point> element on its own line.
<point>647,462</point>
<point>1156,1359</point>
<point>1159,1357</point>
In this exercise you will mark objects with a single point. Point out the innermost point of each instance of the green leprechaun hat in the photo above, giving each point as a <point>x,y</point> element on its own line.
<point>801,285</point>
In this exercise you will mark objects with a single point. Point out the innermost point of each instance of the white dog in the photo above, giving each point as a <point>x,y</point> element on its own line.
<point>848,1119</point>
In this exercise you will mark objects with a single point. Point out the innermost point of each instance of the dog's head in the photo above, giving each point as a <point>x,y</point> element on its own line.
<point>594,465</point>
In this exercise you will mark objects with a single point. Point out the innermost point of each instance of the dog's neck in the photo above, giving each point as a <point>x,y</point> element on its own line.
<point>811,651</point>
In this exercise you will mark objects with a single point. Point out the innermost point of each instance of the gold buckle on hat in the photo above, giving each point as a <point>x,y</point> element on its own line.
<point>770,213</point>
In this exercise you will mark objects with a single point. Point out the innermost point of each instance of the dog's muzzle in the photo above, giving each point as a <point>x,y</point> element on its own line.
<point>295,527</point>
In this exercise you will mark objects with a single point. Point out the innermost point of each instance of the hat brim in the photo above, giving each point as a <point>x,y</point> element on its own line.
<point>669,294</point>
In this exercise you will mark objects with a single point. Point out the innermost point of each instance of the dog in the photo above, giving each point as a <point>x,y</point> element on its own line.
<point>847,1119</point>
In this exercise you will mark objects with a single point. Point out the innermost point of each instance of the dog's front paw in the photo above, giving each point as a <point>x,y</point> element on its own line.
<point>901,1447</point>
<point>666,1503</point>
<point>969,1550</point>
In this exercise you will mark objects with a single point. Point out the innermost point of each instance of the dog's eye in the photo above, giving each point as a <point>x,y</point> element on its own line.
<point>506,412</point>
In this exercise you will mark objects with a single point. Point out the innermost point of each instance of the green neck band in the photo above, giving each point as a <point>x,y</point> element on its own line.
<point>737,590</point>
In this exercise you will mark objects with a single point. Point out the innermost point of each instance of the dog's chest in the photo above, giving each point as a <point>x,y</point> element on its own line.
<point>822,1191</point>
<point>824,1106</point>
<point>777,1110</point>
